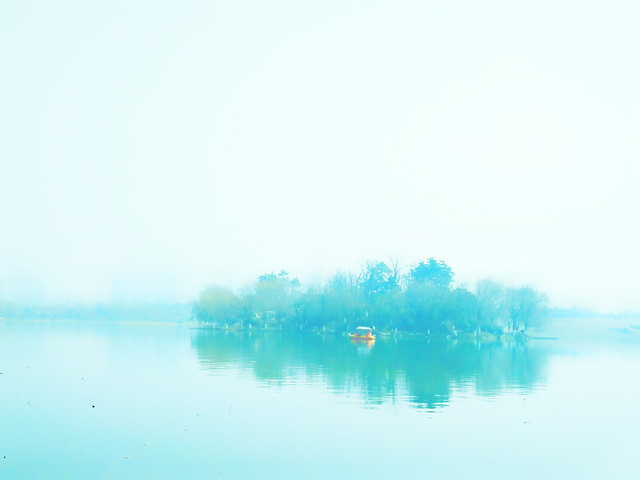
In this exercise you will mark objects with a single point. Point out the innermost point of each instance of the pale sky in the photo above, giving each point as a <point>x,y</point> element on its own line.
<point>161,146</point>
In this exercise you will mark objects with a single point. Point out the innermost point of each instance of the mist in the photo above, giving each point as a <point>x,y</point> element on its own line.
<point>148,150</point>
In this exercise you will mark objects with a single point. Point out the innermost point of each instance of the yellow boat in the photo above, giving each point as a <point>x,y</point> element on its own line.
<point>363,333</point>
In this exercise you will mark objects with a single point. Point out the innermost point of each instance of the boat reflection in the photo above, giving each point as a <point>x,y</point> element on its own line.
<point>425,373</point>
<point>363,346</point>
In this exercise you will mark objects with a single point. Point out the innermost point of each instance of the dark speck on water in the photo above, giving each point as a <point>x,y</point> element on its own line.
<point>405,403</point>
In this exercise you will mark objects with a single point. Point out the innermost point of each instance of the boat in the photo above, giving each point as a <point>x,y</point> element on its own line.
<point>363,333</point>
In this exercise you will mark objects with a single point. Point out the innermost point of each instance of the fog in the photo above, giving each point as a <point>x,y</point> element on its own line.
<point>147,149</point>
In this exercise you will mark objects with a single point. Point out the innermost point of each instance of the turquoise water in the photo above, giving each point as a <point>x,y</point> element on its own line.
<point>86,400</point>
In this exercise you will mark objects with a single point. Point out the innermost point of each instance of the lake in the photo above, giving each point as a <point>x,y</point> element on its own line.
<point>127,400</point>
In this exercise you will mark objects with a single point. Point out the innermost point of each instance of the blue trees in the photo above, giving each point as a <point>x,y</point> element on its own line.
<point>525,306</point>
<point>218,306</point>
<point>425,300</point>
<point>433,272</point>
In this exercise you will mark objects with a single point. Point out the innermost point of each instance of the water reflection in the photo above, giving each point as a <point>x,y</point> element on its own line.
<point>424,372</point>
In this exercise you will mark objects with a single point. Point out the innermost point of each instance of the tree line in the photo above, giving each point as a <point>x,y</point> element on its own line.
<point>423,300</point>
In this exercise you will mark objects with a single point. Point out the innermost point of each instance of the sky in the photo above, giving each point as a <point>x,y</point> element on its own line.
<point>150,148</point>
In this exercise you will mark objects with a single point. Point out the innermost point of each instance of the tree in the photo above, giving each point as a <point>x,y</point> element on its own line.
<point>274,298</point>
<point>525,306</point>
<point>492,305</point>
<point>396,276</point>
<point>425,300</point>
<point>434,272</point>
<point>463,307</point>
<point>344,302</point>
<point>218,305</point>
<point>425,304</point>
<point>376,278</point>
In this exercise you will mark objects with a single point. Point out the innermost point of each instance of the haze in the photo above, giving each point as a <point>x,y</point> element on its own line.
<point>148,149</point>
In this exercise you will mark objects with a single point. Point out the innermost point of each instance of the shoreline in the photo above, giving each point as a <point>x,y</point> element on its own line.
<point>484,337</point>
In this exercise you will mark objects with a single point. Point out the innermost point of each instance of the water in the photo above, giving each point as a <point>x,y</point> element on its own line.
<point>86,400</point>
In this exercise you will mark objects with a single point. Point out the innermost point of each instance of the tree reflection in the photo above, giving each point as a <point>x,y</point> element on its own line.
<point>426,373</point>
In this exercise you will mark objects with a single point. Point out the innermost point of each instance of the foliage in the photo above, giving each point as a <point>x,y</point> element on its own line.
<point>526,306</point>
<point>433,272</point>
<point>377,278</point>
<point>424,301</point>
<point>218,305</point>
<point>492,305</point>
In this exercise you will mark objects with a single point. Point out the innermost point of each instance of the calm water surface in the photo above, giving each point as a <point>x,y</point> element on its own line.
<point>87,400</point>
